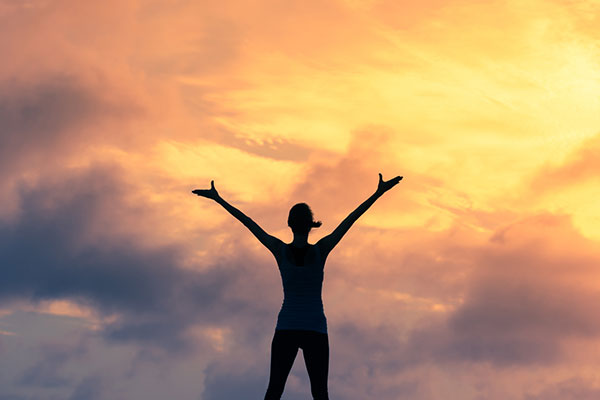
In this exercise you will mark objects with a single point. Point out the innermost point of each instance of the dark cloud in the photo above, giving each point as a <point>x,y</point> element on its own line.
<point>48,371</point>
<point>369,348</point>
<point>440,343</point>
<point>49,253</point>
<point>44,109</point>
<point>89,388</point>
<point>223,385</point>
<point>45,119</point>
<point>13,397</point>
<point>277,148</point>
<point>524,299</point>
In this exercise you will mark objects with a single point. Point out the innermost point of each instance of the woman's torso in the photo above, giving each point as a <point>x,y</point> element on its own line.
<point>301,272</point>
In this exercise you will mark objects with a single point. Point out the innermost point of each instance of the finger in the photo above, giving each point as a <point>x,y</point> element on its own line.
<point>212,184</point>
<point>380,177</point>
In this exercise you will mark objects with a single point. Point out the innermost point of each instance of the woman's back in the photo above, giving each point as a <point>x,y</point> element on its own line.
<point>301,272</point>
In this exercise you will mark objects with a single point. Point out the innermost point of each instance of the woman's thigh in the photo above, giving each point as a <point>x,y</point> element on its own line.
<point>284,349</point>
<point>315,347</point>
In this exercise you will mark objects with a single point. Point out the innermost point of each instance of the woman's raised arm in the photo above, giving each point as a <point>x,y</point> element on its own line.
<point>270,242</point>
<point>327,243</point>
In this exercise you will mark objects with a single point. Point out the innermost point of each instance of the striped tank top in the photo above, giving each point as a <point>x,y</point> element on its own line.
<point>302,306</point>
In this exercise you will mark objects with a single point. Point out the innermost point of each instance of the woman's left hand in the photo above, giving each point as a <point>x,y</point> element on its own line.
<point>384,186</point>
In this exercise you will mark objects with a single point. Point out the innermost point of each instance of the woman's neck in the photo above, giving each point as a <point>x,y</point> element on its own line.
<point>300,240</point>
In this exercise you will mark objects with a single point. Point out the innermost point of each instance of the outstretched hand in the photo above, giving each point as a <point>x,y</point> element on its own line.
<point>384,186</point>
<point>208,193</point>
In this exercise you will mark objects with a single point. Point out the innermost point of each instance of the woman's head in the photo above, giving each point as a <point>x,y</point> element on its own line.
<point>301,220</point>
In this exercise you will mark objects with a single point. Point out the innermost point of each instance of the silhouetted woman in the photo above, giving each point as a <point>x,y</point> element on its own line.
<point>301,323</point>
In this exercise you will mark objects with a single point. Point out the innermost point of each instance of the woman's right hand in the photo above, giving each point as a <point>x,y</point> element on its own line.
<point>208,193</point>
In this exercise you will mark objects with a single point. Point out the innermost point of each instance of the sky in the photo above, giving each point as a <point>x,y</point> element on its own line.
<point>476,278</point>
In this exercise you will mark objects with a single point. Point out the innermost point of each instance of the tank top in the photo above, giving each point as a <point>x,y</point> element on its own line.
<point>302,306</point>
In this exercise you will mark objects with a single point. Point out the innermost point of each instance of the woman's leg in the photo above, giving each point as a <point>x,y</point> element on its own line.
<point>315,348</point>
<point>283,353</point>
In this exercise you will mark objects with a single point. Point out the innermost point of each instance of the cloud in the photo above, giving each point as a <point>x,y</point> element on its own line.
<point>89,388</point>
<point>225,385</point>
<point>416,295</point>
<point>580,166</point>
<point>54,121</point>
<point>48,371</point>
<point>524,300</point>
<point>570,389</point>
<point>340,183</point>
<point>13,397</point>
<point>150,297</point>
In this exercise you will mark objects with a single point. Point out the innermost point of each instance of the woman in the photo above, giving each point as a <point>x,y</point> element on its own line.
<point>301,323</point>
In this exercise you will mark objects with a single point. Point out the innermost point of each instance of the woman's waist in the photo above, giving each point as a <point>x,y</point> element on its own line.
<point>290,313</point>
<point>303,303</point>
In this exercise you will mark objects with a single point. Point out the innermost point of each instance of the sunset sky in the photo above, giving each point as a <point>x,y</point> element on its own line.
<point>476,278</point>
